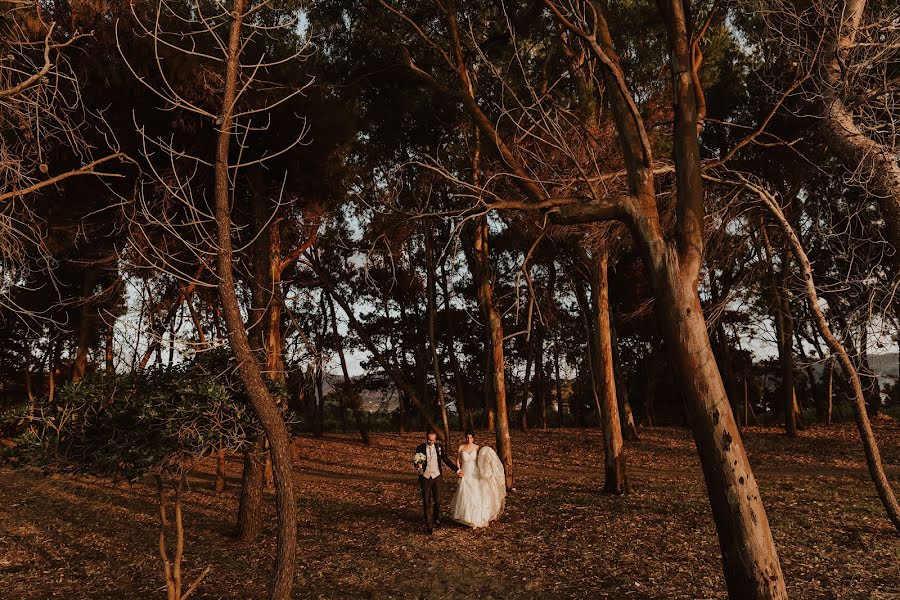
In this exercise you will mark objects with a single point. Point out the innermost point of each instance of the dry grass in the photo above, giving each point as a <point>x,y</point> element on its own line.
<point>360,526</point>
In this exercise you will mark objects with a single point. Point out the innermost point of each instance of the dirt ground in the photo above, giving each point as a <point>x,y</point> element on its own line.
<point>360,529</point>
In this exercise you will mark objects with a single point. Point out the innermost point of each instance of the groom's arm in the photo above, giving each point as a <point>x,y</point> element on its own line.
<point>448,462</point>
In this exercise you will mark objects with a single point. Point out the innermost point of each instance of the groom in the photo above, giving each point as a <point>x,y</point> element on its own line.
<point>430,480</point>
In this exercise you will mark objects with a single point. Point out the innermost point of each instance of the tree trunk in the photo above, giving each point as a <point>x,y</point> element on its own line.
<point>85,326</point>
<point>750,560</point>
<point>526,387</point>
<point>629,428</point>
<point>265,407</point>
<point>829,378</point>
<point>870,445</point>
<point>462,408</point>
<point>432,328</point>
<point>110,365</point>
<point>559,398</point>
<point>219,484</point>
<point>786,359</point>
<point>400,381</point>
<point>615,479</point>
<point>591,337</point>
<point>349,389</point>
<point>783,332</point>
<point>867,377</point>
<point>540,377</point>
<point>497,365</point>
<point>751,564</point>
<point>250,507</point>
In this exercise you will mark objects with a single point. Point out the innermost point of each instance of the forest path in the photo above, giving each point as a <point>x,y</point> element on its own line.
<point>360,528</point>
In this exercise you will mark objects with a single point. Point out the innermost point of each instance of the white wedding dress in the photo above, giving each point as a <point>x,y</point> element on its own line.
<point>481,494</point>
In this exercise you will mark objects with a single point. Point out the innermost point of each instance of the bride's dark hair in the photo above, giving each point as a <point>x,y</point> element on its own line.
<point>470,432</point>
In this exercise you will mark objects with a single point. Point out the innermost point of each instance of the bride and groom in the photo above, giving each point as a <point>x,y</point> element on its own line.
<point>481,494</point>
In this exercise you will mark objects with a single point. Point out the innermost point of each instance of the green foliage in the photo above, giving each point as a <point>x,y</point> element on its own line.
<point>159,420</point>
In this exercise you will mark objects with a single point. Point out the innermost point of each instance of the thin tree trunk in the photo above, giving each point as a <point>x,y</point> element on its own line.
<point>629,428</point>
<point>219,484</point>
<point>265,407</point>
<point>867,377</point>
<point>400,381</point>
<point>783,333</point>
<point>559,398</point>
<point>85,326</point>
<point>870,445</point>
<point>540,387</point>
<point>110,365</point>
<point>349,389</point>
<point>465,416</point>
<point>615,479</point>
<point>526,387</point>
<point>432,328</point>
<point>829,391</point>
<point>591,337</point>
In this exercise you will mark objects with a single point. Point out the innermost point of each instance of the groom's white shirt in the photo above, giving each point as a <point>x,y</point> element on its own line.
<point>432,468</point>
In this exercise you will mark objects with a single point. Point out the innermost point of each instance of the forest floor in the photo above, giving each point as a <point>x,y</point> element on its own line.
<point>360,525</point>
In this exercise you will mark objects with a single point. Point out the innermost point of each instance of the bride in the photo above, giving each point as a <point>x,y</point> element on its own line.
<point>481,494</point>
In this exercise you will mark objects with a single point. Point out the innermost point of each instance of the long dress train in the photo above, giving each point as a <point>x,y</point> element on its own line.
<point>481,494</point>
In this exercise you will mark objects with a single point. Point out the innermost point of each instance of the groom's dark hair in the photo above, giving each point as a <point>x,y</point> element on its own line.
<point>430,431</point>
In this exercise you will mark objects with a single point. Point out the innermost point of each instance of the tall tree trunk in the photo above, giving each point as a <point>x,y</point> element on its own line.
<point>750,560</point>
<point>465,416</point>
<point>870,445</point>
<point>265,407</point>
<point>497,364</point>
<point>829,378</point>
<point>786,359</point>
<point>783,332</point>
<point>540,377</point>
<point>110,365</point>
<point>86,325</point>
<point>554,319</point>
<point>432,327</point>
<point>591,337</point>
<point>526,386</point>
<point>559,398</point>
<point>615,479</point>
<point>349,389</point>
<point>629,427</point>
<point>400,381</point>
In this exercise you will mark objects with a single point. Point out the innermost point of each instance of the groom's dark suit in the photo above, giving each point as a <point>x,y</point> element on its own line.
<point>431,486</point>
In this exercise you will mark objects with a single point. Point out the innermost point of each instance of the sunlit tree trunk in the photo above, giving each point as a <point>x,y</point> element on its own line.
<point>497,368</point>
<point>615,479</point>
<point>263,404</point>
<point>750,561</point>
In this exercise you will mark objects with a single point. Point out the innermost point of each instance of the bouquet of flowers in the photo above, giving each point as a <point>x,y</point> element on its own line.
<point>419,459</point>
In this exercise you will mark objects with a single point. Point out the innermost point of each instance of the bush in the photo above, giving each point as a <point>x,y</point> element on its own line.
<point>159,420</point>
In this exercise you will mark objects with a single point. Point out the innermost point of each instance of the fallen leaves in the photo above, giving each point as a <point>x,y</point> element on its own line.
<point>360,525</point>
